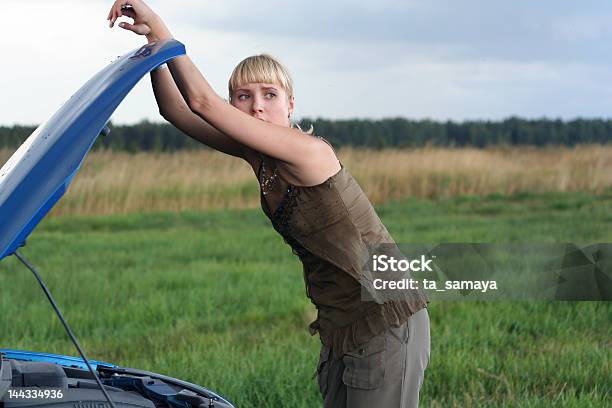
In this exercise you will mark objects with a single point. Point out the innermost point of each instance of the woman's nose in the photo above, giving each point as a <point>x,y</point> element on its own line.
<point>257,105</point>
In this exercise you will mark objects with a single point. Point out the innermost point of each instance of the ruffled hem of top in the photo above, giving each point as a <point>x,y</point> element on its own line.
<point>373,323</point>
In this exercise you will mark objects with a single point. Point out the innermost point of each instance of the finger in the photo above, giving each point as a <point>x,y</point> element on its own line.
<point>116,11</point>
<point>140,29</point>
<point>111,14</point>
<point>128,26</point>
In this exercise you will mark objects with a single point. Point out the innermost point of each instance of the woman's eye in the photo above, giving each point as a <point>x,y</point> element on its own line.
<point>243,97</point>
<point>270,95</point>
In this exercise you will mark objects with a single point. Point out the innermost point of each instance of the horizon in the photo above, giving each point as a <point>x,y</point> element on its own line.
<point>461,121</point>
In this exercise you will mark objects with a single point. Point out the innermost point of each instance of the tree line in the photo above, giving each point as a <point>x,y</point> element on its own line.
<point>394,132</point>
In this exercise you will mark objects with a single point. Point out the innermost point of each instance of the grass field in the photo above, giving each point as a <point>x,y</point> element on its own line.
<point>215,297</point>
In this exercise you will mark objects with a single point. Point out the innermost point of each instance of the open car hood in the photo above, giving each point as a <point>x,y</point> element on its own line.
<point>39,172</point>
<point>31,182</point>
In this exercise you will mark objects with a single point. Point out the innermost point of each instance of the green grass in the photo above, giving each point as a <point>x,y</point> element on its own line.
<point>217,298</point>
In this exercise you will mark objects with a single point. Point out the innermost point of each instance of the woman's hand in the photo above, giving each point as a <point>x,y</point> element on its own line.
<point>146,22</point>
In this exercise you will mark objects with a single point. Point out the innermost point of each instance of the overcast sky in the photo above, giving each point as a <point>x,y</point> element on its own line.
<point>439,59</point>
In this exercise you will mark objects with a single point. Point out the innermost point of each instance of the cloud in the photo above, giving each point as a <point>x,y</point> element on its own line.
<point>439,59</point>
<point>518,30</point>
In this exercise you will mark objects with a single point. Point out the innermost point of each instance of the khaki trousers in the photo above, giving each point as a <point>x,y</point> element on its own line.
<point>386,372</point>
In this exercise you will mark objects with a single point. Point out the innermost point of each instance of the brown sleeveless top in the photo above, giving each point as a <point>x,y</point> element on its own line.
<point>330,227</point>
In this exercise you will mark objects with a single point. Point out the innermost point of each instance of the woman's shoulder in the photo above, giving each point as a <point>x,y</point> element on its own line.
<point>325,140</point>
<point>313,172</point>
<point>315,168</point>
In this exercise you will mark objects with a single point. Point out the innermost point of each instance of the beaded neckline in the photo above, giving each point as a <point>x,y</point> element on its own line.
<point>267,182</point>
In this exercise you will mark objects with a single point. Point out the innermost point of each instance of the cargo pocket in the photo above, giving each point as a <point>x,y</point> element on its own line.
<point>323,370</point>
<point>365,367</point>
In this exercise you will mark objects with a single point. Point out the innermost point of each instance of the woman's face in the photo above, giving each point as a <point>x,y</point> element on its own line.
<point>267,102</point>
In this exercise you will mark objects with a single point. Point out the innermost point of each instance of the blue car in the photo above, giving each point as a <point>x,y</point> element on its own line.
<point>29,379</point>
<point>31,182</point>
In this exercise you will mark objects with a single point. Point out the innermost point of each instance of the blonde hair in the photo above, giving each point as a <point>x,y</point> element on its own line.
<point>263,68</point>
<point>260,68</point>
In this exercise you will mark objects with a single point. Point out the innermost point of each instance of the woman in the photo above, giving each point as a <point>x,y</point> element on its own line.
<point>373,351</point>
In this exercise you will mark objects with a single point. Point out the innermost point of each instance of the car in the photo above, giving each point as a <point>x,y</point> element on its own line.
<point>34,178</point>
<point>29,379</point>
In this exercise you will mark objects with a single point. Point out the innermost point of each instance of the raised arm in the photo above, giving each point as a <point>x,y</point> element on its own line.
<point>173,108</point>
<point>171,103</point>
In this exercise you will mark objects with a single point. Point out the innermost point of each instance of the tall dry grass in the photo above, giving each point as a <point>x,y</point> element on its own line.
<point>112,182</point>
<point>440,172</point>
